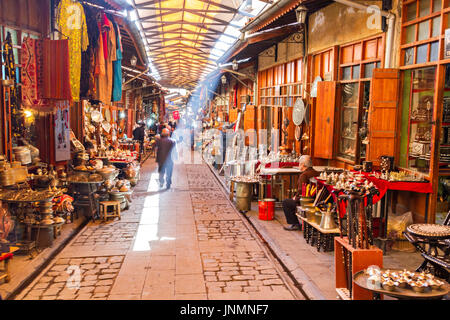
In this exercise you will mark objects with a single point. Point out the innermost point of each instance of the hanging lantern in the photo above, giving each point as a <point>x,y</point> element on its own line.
<point>133,60</point>
<point>301,13</point>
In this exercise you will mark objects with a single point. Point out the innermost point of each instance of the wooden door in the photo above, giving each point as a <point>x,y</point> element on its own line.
<point>250,125</point>
<point>233,115</point>
<point>324,120</point>
<point>383,113</point>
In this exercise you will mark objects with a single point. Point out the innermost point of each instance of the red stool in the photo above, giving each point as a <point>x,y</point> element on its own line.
<point>5,257</point>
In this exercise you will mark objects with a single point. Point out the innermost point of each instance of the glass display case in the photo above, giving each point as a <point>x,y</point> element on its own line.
<point>421,82</point>
<point>348,120</point>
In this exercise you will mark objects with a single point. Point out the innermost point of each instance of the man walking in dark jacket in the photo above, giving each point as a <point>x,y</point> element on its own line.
<point>166,151</point>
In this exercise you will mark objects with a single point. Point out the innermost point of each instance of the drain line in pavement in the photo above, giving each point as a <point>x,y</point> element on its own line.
<point>273,256</point>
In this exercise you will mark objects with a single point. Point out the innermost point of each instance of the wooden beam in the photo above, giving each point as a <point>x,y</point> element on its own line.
<point>148,3</point>
<point>177,10</point>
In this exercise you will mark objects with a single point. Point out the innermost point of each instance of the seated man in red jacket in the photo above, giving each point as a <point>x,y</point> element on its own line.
<point>290,205</point>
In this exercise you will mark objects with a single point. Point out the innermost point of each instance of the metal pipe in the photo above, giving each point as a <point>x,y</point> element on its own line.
<point>242,82</point>
<point>239,74</point>
<point>273,29</point>
<point>140,74</point>
<point>390,32</point>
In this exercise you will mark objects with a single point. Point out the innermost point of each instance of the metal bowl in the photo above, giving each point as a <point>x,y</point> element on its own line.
<point>310,214</point>
<point>388,287</point>
<point>304,201</point>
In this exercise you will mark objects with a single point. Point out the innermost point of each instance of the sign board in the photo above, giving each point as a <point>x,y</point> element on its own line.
<point>176,115</point>
<point>62,134</point>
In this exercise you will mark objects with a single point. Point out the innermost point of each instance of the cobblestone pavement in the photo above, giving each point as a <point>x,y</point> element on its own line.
<point>184,243</point>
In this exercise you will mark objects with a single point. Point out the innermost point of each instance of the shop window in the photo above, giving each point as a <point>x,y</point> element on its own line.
<point>280,86</point>
<point>421,30</point>
<point>357,63</point>
<point>436,30</point>
<point>346,73</point>
<point>424,8</point>
<point>349,120</point>
<point>437,5</point>
<point>434,51</point>
<point>424,30</point>
<point>417,118</point>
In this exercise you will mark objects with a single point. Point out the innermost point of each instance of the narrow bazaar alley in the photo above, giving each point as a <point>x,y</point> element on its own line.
<point>195,154</point>
<point>188,242</point>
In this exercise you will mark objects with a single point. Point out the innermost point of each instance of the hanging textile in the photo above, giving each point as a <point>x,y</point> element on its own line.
<point>105,34</point>
<point>29,73</point>
<point>71,22</point>
<point>10,69</point>
<point>55,70</point>
<point>17,125</point>
<point>117,67</point>
<point>104,66</point>
<point>100,72</point>
<point>87,87</point>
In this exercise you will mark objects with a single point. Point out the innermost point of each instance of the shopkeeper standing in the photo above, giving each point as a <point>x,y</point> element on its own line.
<point>139,135</point>
<point>290,205</point>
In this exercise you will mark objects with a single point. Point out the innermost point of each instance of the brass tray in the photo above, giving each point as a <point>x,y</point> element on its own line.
<point>428,230</point>
<point>361,279</point>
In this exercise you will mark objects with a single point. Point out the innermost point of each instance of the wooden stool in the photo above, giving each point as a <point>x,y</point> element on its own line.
<point>5,257</point>
<point>104,205</point>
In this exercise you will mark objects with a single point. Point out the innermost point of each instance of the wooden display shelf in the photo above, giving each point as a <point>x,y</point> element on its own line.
<point>360,260</point>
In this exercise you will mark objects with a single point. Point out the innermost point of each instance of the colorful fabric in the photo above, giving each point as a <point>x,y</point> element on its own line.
<point>55,70</point>
<point>29,73</point>
<point>105,34</point>
<point>10,69</point>
<point>117,68</point>
<point>104,66</point>
<point>71,22</point>
<point>87,81</point>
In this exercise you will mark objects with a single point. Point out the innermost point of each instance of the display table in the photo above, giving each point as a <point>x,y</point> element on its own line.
<point>273,172</point>
<point>5,257</point>
<point>427,239</point>
<point>314,234</point>
<point>361,279</point>
<point>385,188</point>
<point>84,194</point>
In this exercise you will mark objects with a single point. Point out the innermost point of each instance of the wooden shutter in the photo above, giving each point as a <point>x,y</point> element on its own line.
<point>250,118</point>
<point>324,119</point>
<point>383,113</point>
<point>233,115</point>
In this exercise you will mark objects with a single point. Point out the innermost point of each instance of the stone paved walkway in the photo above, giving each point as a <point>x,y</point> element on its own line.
<point>184,243</point>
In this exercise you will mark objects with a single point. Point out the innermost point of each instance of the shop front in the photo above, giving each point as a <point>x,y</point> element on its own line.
<point>66,140</point>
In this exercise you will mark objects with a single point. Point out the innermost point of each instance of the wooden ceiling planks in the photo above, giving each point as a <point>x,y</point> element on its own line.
<point>181,34</point>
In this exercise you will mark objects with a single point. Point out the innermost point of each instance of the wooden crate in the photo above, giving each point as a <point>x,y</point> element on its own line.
<point>361,259</point>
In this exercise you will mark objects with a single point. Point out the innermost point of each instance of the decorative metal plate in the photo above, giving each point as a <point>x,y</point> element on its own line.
<point>298,133</point>
<point>429,230</point>
<point>107,115</point>
<point>298,113</point>
<point>96,116</point>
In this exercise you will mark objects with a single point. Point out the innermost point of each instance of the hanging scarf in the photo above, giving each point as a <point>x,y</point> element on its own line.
<point>117,68</point>
<point>10,69</point>
<point>55,70</point>
<point>29,73</point>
